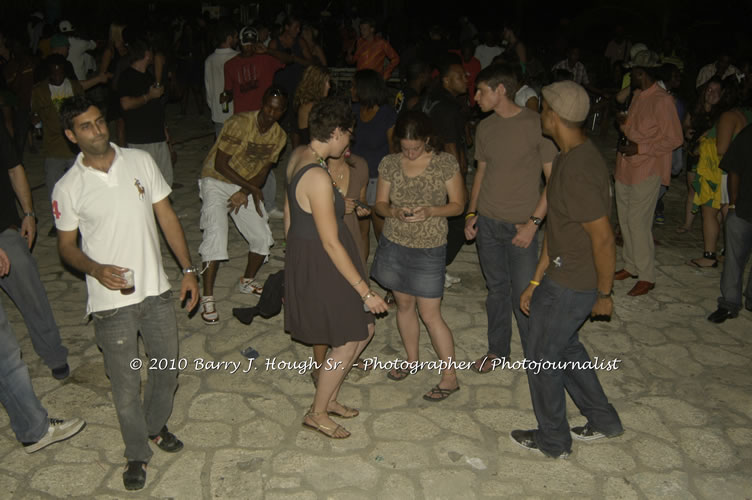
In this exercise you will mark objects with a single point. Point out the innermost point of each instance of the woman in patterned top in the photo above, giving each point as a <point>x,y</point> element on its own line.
<point>411,195</point>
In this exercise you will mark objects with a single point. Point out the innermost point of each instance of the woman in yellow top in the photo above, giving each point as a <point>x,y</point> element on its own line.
<point>711,195</point>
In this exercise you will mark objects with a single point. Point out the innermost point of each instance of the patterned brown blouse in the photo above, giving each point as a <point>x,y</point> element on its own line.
<point>425,189</point>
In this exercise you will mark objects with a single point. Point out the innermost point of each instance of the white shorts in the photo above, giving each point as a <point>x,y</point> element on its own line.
<point>214,223</point>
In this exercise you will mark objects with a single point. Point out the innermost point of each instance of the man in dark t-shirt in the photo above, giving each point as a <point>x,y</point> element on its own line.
<point>23,284</point>
<point>443,107</point>
<point>143,110</point>
<point>738,163</point>
<point>578,260</point>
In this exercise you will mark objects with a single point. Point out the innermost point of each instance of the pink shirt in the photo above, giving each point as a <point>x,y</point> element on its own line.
<point>652,124</point>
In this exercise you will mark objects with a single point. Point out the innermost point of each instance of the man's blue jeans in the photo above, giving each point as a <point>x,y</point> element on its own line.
<point>28,418</point>
<point>24,286</point>
<point>117,332</point>
<point>738,249</point>
<point>556,315</point>
<point>508,270</point>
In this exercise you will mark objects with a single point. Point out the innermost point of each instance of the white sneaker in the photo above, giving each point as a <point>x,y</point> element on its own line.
<point>250,285</point>
<point>453,280</point>
<point>59,430</point>
<point>275,213</point>
<point>209,313</point>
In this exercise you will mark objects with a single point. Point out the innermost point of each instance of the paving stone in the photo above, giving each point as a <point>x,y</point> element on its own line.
<point>283,495</point>
<point>677,410</point>
<point>8,484</point>
<point>602,457</point>
<point>732,485</point>
<point>710,355</point>
<point>708,448</point>
<point>68,480</point>
<point>397,455</point>
<point>544,475</point>
<point>230,408</point>
<point>657,454</point>
<point>617,488</point>
<point>500,489</point>
<point>457,422</point>
<point>448,484</point>
<point>396,486</point>
<point>404,426</point>
<point>673,485</point>
<point>326,474</point>
<point>238,473</point>
<point>183,478</point>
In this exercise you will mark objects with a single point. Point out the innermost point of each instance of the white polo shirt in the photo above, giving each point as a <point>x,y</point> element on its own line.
<point>114,213</point>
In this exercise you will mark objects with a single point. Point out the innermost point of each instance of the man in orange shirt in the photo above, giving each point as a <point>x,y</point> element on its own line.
<point>643,162</point>
<point>371,52</point>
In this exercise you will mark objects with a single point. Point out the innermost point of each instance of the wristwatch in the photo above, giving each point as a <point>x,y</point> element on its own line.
<point>30,214</point>
<point>536,220</point>
<point>192,269</point>
<point>602,295</point>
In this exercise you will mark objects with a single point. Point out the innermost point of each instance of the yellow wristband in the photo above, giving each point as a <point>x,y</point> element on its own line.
<point>470,214</point>
<point>536,283</point>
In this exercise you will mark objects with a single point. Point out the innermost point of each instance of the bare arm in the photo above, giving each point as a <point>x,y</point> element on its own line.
<point>526,232</point>
<point>95,80</point>
<point>734,181</point>
<point>20,184</point>
<point>394,60</point>
<point>604,257</point>
<point>248,186</point>
<point>129,103</point>
<point>175,237</point>
<point>727,126</point>
<point>109,275</point>
<point>452,149</point>
<point>456,204</point>
<point>540,270</point>
<point>471,229</point>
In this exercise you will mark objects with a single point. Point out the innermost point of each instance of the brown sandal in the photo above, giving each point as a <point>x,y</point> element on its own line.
<point>323,429</point>
<point>348,413</point>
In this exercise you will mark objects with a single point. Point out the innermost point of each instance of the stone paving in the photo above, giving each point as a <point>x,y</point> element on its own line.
<point>682,389</point>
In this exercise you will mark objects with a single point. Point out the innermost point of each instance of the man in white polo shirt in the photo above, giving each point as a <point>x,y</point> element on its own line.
<point>111,195</point>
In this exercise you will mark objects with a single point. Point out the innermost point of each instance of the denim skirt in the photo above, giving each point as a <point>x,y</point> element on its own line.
<point>414,271</point>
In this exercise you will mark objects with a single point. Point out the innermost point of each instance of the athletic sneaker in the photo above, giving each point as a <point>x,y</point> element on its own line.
<point>450,280</point>
<point>250,285</point>
<point>59,430</point>
<point>587,433</point>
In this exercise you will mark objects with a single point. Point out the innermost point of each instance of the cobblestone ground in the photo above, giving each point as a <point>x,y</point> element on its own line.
<point>682,390</point>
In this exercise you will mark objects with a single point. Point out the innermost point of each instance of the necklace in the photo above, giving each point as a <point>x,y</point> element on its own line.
<point>322,164</point>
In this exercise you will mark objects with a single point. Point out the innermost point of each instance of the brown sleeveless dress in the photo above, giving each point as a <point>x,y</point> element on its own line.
<point>321,307</point>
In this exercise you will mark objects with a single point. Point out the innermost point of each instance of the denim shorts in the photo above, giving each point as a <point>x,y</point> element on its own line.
<point>414,271</point>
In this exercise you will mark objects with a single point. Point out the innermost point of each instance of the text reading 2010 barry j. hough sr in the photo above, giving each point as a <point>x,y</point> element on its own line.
<point>245,366</point>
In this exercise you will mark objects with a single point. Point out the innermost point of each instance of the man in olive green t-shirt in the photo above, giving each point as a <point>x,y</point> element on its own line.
<point>578,260</point>
<point>506,204</point>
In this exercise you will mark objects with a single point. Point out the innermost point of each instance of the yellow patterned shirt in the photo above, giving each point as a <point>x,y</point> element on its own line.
<point>249,150</point>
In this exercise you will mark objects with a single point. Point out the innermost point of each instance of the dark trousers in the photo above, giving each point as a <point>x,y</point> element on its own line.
<point>556,315</point>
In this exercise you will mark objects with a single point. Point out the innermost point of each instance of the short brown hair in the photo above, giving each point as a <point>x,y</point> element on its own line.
<point>500,74</point>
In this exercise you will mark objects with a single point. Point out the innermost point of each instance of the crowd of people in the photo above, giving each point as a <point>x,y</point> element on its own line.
<point>395,154</point>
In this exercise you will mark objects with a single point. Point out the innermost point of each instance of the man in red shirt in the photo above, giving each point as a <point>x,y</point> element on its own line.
<point>250,73</point>
<point>371,52</point>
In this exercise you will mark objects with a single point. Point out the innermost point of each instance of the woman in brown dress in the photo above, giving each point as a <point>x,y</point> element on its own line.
<point>321,255</point>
